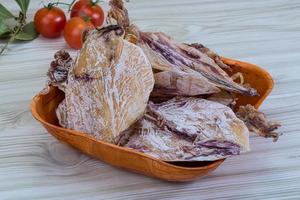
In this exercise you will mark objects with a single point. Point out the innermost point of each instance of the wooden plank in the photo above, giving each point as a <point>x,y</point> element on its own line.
<point>33,165</point>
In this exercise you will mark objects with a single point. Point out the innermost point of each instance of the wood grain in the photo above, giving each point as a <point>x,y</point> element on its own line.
<point>33,165</point>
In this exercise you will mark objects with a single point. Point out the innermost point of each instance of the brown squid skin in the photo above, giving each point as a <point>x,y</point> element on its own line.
<point>119,13</point>
<point>165,53</point>
<point>111,37</point>
<point>257,122</point>
<point>59,68</point>
<point>189,129</point>
<point>171,58</point>
<point>103,94</point>
<point>210,54</point>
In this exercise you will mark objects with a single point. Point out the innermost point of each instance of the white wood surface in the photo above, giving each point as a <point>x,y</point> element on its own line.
<point>34,165</point>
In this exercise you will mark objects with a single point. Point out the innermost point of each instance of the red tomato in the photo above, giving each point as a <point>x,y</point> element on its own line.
<point>73,31</point>
<point>77,6</point>
<point>50,21</point>
<point>88,9</point>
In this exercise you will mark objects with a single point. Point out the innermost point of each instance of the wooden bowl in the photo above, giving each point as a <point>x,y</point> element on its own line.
<point>43,109</point>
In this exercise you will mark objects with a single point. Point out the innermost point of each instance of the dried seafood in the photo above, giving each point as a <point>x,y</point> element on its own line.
<point>165,54</point>
<point>210,54</point>
<point>107,89</point>
<point>59,68</point>
<point>169,83</point>
<point>168,55</point>
<point>224,97</point>
<point>257,122</point>
<point>190,129</point>
<point>103,94</point>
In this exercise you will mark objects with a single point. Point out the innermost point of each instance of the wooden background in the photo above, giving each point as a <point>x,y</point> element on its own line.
<point>33,165</point>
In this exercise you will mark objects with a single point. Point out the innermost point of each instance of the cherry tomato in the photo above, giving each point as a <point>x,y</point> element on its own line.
<point>77,6</point>
<point>50,21</point>
<point>88,9</point>
<point>73,31</point>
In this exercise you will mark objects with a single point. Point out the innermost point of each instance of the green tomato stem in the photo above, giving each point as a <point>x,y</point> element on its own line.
<point>11,39</point>
<point>51,5</point>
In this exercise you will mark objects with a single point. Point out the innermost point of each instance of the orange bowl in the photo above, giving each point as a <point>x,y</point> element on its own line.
<point>43,108</point>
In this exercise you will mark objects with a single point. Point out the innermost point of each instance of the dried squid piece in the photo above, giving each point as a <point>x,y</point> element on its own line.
<point>182,84</point>
<point>211,54</point>
<point>190,129</point>
<point>165,54</point>
<point>258,123</point>
<point>224,97</point>
<point>108,87</point>
<point>167,146</point>
<point>118,12</point>
<point>59,68</point>
<point>168,55</point>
